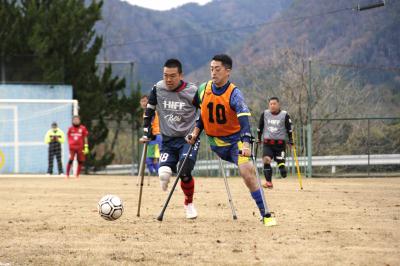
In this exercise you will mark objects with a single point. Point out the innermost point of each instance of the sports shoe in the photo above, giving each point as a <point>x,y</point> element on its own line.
<point>191,212</point>
<point>268,184</point>
<point>269,221</point>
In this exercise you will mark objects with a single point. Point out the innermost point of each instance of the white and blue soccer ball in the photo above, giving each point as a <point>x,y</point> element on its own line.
<point>110,207</point>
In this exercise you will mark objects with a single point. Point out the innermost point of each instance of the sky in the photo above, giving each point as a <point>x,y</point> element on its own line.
<point>164,4</point>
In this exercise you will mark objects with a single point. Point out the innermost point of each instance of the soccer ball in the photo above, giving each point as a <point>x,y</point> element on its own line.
<point>110,207</point>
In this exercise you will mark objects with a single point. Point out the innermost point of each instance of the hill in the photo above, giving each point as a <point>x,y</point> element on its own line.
<point>191,32</point>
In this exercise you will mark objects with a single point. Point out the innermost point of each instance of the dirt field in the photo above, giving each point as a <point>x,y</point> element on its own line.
<point>49,221</point>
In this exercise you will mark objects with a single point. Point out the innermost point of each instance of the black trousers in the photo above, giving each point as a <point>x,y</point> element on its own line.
<point>55,151</point>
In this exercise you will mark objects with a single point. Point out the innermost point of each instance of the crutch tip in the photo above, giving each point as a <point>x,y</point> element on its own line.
<point>235,217</point>
<point>159,218</point>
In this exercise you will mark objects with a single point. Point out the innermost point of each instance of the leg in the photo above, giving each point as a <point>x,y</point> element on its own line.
<point>70,161</point>
<point>59,161</point>
<point>50,161</point>
<point>156,164</point>
<point>150,167</point>
<point>187,180</point>
<point>151,147</point>
<point>268,154</point>
<point>169,158</point>
<point>247,170</point>
<point>81,160</point>
<point>280,159</point>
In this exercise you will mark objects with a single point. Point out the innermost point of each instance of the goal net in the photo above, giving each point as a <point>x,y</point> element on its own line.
<point>23,126</point>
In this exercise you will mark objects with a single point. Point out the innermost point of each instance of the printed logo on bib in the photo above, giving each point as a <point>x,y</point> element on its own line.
<point>272,129</point>
<point>173,118</point>
<point>172,105</point>
<point>274,122</point>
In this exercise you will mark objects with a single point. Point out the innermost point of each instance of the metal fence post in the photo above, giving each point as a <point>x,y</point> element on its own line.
<point>309,125</point>
<point>368,144</point>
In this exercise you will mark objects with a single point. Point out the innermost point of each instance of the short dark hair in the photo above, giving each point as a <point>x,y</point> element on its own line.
<point>224,59</point>
<point>144,96</point>
<point>273,98</point>
<point>172,63</point>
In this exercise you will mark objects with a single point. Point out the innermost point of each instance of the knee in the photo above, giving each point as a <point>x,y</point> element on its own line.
<point>186,172</point>
<point>164,172</point>
<point>266,160</point>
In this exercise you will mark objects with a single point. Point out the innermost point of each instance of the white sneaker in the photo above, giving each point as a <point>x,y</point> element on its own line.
<point>164,184</point>
<point>191,212</point>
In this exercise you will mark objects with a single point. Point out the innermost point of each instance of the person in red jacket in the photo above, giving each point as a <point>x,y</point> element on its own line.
<point>78,144</point>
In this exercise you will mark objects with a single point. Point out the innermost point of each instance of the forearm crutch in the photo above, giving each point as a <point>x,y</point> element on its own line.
<point>141,176</point>
<point>228,191</point>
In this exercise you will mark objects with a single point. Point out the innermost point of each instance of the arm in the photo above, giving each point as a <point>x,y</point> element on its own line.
<point>243,113</point>
<point>149,113</point>
<point>47,138</point>
<point>288,125</point>
<point>260,128</point>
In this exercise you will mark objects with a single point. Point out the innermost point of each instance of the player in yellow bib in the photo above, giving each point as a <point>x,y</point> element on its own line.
<point>224,117</point>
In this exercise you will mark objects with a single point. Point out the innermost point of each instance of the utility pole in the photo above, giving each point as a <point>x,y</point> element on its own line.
<point>309,123</point>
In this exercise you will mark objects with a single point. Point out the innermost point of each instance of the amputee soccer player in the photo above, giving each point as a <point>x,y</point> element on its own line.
<point>172,97</point>
<point>153,148</point>
<point>275,126</point>
<point>225,120</point>
<point>55,137</point>
<point>78,144</point>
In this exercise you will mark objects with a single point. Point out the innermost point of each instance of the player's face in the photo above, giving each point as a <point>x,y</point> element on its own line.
<point>219,73</point>
<point>76,121</point>
<point>273,106</point>
<point>143,102</point>
<point>172,77</point>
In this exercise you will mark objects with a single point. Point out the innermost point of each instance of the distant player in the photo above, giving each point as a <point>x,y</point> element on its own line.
<point>78,144</point>
<point>55,137</point>
<point>153,148</point>
<point>172,97</point>
<point>225,119</point>
<point>274,128</point>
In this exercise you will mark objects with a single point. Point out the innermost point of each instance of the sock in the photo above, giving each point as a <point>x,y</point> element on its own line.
<point>78,172</point>
<point>268,172</point>
<point>68,168</point>
<point>257,196</point>
<point>188,190</point>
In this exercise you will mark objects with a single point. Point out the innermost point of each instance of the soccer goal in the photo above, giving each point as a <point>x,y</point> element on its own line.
<point>23,125</point>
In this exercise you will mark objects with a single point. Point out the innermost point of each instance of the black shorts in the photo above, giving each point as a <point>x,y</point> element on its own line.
<point>275,151</point>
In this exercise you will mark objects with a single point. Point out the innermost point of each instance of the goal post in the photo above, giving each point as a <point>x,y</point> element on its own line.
<point>23,125</point>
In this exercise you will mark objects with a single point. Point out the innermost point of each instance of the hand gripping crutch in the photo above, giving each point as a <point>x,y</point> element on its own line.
<point>141,176</point>
<point>228,191</point>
